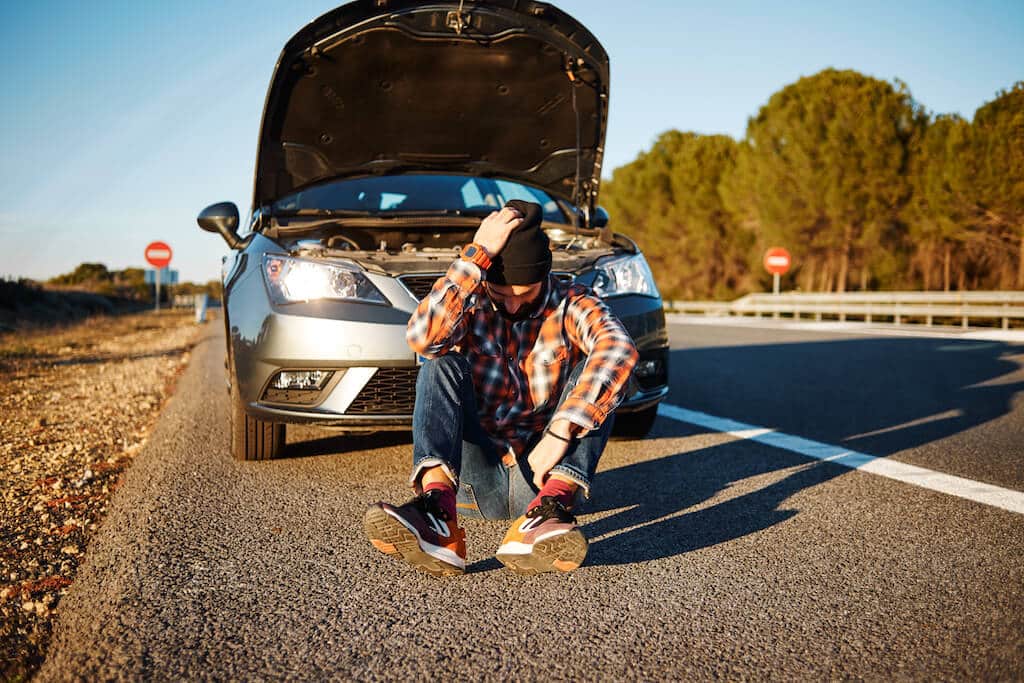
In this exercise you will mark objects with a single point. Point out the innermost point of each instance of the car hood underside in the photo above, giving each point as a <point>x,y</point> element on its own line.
<point>501,88</point>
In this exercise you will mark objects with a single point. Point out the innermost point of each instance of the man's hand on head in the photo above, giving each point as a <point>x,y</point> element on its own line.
<point>494,230</point>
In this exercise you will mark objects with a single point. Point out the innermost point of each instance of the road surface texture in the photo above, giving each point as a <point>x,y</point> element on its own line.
<point>712,555</point>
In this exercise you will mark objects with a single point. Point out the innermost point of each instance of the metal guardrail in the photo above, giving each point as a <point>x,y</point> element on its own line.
<point>869,307</point>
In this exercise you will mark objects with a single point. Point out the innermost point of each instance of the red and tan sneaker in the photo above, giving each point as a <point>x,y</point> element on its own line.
<point>545,539</point>
<point>420,532</point>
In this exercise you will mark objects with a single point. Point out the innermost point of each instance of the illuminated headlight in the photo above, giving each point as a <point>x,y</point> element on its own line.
<point>301,379</point>
<point>291,279</point>
<point>624,275</point>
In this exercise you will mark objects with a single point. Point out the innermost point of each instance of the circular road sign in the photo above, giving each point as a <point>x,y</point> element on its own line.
<point>777,261</point>
<point>158,254</point>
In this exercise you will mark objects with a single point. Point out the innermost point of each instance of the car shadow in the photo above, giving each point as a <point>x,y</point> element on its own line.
<point>876,396</point>
<point>338,444</point>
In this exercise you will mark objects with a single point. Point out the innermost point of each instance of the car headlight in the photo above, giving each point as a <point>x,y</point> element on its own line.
<point>291,279</point>
<point>624,275</point>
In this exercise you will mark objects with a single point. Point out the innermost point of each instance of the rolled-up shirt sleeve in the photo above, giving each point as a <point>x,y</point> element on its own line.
<point>611,355</point>
<point>439,322</point>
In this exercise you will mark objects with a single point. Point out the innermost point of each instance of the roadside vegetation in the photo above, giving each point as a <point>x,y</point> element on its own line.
<point>76,405</point>
<point>90,289</point>
<point>866,189</point>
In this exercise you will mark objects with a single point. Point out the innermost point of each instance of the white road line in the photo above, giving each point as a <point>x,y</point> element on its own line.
<point>979,492</point>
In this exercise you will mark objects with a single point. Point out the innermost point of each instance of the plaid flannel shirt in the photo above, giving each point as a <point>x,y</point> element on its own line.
<point>520,369</point>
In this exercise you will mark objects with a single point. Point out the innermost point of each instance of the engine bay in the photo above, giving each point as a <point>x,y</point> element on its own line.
<point>430,248</point>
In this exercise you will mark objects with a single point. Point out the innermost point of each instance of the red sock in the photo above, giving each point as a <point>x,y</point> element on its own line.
<point>562,491</point>
<point>447,499</point>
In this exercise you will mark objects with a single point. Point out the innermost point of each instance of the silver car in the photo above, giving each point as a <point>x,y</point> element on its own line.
<point>390,129</point>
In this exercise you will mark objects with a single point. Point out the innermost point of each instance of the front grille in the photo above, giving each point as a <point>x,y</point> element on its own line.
<point>299,397</point>
<point>420,285</point>
<point>391,391</point>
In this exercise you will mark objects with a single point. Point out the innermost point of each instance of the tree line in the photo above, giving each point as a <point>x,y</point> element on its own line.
<point>129,283</point>
<point>866,190</point>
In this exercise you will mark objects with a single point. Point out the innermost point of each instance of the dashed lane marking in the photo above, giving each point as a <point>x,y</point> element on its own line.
<point>979,492</point>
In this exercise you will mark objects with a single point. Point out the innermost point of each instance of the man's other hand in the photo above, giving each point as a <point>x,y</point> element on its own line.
<point>548,452</point>
<point>494,230</point>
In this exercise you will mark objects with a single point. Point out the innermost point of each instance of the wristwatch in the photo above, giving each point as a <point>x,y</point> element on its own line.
<point>474,253</point>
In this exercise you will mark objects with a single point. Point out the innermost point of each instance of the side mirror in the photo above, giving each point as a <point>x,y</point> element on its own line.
<point>600,218</point>
<point>221,218</point>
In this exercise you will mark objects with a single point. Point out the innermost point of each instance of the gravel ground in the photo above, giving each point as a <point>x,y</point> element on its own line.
<point>76,405</point>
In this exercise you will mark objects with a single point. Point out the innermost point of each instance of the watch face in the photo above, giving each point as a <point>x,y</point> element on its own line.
<point>470,251</point>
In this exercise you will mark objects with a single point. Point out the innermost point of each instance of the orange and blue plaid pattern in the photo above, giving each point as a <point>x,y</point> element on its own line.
<point>520,369</point>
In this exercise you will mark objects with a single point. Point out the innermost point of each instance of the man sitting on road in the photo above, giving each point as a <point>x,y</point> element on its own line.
<point>513,406</point>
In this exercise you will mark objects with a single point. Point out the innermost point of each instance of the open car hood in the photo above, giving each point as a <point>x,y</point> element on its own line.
<point>391,86</point>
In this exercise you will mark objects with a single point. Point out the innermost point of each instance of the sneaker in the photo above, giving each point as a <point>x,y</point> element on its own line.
<point>420,533</point>
<point>545,539</point>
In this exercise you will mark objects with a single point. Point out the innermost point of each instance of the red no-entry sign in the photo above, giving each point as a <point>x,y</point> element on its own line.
<point>777,261</point>
<point>158,254</point>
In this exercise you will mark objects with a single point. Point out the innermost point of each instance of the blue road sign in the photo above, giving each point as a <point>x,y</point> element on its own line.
<point>167,276</point>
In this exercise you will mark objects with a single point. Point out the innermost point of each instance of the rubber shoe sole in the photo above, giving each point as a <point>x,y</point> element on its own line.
<point>391,537</point>
<point>562,554</point>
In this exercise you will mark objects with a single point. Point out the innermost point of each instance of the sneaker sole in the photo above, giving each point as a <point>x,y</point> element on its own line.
<point>559,554</point>
<point>391,537</point>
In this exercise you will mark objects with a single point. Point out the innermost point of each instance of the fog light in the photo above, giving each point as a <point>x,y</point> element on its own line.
<point>301,379</point>
<point>647,368</point>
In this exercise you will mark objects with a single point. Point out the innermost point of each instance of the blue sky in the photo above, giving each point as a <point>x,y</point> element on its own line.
<point>121,120</point>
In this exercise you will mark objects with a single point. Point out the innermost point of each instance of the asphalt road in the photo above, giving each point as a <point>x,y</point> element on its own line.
<point>711,556</point>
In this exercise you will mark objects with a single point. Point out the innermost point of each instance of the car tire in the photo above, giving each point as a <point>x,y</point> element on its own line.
<point>635,425</point>
<point>253,439</point>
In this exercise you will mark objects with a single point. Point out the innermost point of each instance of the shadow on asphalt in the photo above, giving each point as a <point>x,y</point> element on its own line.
<point>346,443</point>
<point>877,396</point>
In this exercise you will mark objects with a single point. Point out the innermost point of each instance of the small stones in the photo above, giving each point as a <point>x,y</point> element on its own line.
<point>65,449</point>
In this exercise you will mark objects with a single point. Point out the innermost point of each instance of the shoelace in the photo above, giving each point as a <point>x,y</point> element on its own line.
<point>427,502</point>
<point>551,507</point>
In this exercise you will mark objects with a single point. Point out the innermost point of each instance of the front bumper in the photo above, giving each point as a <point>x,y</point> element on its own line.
<point>364,345</point>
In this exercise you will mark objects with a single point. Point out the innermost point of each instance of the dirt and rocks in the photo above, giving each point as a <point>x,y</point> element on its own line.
<point>76,405</point>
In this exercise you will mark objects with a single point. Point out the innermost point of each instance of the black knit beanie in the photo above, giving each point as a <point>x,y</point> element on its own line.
<point>526,257</point>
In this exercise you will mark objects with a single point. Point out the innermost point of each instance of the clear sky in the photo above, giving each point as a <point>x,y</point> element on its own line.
<point>120,120</point>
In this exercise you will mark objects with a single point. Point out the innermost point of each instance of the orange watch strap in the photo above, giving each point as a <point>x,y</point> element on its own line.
<point>479,256</point>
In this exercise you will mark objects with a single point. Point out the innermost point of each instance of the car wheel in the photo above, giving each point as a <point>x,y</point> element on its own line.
<point>253,439</point>
<point>635,425</point>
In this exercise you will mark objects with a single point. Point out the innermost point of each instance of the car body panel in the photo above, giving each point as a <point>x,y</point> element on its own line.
<point>513,90</point>
<point>361,91</point>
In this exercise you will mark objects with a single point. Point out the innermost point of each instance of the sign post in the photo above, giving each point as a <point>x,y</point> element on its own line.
<point>158,254</point>
<point>776,262</point>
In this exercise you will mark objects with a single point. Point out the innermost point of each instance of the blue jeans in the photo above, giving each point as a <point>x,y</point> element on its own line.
<point>447,433</point>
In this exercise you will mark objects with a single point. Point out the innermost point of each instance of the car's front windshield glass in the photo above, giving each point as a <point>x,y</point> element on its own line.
<point>416,193</point>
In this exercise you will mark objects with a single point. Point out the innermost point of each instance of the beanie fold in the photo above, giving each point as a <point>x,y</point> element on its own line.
<point>526,258</point>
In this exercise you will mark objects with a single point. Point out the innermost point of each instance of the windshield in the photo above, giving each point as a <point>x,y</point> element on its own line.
<point>429,193</point>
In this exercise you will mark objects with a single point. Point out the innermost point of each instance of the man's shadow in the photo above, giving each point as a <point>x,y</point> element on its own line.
<point>876,396</point>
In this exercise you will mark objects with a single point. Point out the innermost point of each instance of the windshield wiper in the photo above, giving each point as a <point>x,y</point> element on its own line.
<point>435,212</point>
<point>323,213</point>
